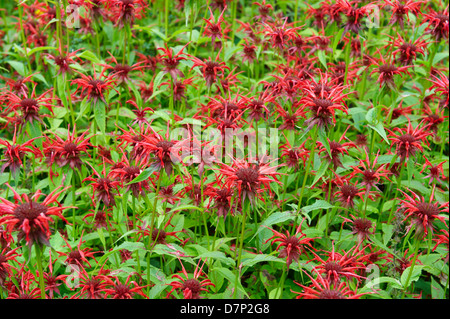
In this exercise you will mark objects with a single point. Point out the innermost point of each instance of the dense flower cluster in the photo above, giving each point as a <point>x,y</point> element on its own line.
<point>189,149</point>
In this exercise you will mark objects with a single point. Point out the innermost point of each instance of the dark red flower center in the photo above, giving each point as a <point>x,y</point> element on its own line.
<point>362,226</point>
<point>29,211</point>
<point>75,256</point>
<point>427,209</point>
<point>387,68</point>
<point>165,145</point>
<point>407,138</point>
<point>193,285</point>
<point>70,147</point>
<point>247,175</point>
<point>331,294</point>
<point>26,104</point>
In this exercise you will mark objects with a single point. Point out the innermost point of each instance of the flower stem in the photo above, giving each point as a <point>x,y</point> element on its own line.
<point>41,274</point>
<point>241,244</point>
<point>413,263</point>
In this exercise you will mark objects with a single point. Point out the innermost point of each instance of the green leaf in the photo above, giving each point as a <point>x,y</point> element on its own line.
<point>88,55</point>
<point>319,204</point>
<point>322,135</point>
<point>410,169</point>
<point>18,66</point>
<point>379,128</point>
<point>322,170</point>
<point>379,280</point>
<point>231,277</point>
<point>276,218</point>
<point>33,51</point>
<point>185,207</point>
<point>322,58</point>
<point>250,262</point>
<point>101,236</point>
<point>131,246</point>
<point>100,116</point>
<point>437,292</point>
<point>143,175</point>
<point>217,255</point>
<point>417,271</point>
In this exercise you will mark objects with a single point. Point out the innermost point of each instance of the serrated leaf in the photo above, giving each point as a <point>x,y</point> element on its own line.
<point>275,218</point>
<point>322,135</point>
<point>100,116</point>
<point>379,128</point>
<point>217,255</point>
<point>318,204</point>
<point>146,173</point>
<point>249,262</point>
<point>379,280</point>
<point>88,55</point>
<point>18,66</point>
<point>415,275</point>
<point>131,246</point>
<point>321,171</point>
<point>322,58</point>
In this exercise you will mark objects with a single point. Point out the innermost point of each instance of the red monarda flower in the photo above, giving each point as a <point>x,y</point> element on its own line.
<point>103,188</point>
<point>353,13</point>
<point>441,86</point>
<point>361,227</point>
<point>126,173</point>
<point>248,52</point>
<point>323,104</point>
<point>94,88</point>
<point>179,88</point>
<point>294,156</point>
<point>30,105</point>
<point>63,61</point>
<point>29,218</point>
<point>435,172</point>
<point>423,213</point>
<point>213,28</point>
<point>438,24</point>
<point>387,70</point>
<point>92,286</point>
<point>348,192</point>
<point>69,151</point>
<point>336,152</point>
<point>171,61</point>
<point>405,51</point>
<point>14,154</point>
<point>126,290</point>
<point>293,245</point>
<point>191,287</point>
<point>18,85</point>
<point>279,35</point>
<point>122,71</point>
<point>323,289</point>
<point>339,265</point>
<point>370,173</point>
<point>124,12</point>
<point>264,10</point>
<point>220,200</point>
<point>210,69</point>
<point>400,10</point>
<point>78,256</point>
<point>6,254</point>
<point>163,150</point>
<point>408,140</point>
<point>249,178</point>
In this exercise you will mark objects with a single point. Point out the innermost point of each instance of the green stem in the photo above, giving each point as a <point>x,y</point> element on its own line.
<point>41,274</point>
<point>241,244</point>
<point>413,263</point>
<point>399,185</point>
